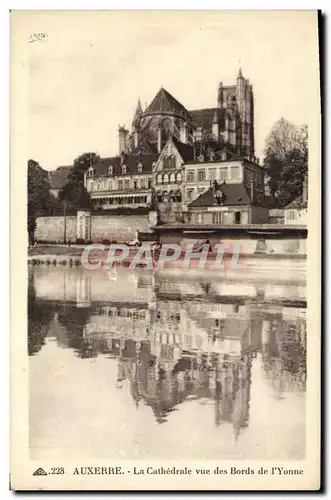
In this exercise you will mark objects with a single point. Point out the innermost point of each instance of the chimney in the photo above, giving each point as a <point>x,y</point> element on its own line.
<point>123,135</point>
<point>123,158</point>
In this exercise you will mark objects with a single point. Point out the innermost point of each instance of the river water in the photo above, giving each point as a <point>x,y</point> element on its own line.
<point>136,364</point>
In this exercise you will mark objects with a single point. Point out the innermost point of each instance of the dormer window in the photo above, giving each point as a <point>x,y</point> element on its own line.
<point>201,158</point>
<point>124,169</point>
<point>223,156</point>
<point>110,170</point>
<point>91,171</point>
<point>212,156</point>
<point>140,168</point>
<point>219,197</point>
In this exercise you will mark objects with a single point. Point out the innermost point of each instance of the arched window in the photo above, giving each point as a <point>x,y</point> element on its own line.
<point>110,170</point>
<point>124,169</point>
<point>179,177</point>
<point>165,196</point>
<point>159,179</point>
<point>173,162</point>
<point>171,197</point>
<point>159,197</point>
<point>166,178</point>
<point>179,196</point>
<point>172,177</point>
<point>91,171</point>
<point>140,168</point>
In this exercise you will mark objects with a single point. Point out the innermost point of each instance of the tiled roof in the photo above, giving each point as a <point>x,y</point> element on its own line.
<point>58,178</point>
<point>234,194</point>
<point>165,102</point>
<point>185,150</point>
<point>298,204</point>
<point>131,162</point>
<point>204,117</point>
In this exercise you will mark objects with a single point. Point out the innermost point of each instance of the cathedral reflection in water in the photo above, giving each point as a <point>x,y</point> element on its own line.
<point>176,338</point>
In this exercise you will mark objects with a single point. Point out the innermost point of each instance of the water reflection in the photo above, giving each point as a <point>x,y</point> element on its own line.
<point>177,339</point>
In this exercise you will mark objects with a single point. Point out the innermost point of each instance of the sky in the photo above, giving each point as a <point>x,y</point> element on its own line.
<point>85,76</point>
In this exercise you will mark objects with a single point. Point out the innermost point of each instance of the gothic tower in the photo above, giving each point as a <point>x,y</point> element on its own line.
<point>237,101</point>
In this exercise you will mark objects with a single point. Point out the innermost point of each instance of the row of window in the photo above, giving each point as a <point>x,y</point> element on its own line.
<point>166,178</point>
<point>218,217</point>
<point>201,175</point>
<point>291,215</point>
<point>125,313</point>
<point>91,170</point>
<point>169,162</point>
<point>224,174</point>
<point>172,197</point>
<point>125,200</point>
<point>120,184</point>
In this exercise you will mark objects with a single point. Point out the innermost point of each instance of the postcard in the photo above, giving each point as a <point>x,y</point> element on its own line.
<point>165,243</point>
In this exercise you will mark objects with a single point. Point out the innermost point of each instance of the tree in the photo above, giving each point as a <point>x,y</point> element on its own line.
<point>40,201</point>
<point>295,170</point>
<point>74,191</point>
<point>286,160</point>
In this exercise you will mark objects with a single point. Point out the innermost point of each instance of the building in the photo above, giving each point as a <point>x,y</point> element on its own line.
<point>276,215</point>
<point>122,181</point>
<point>58,179</point>
<point>229,204</point>
<point>169,179</point>
<point>207,168</point>
<point>296,211</point>
<point>171,154</point>
<point>230,123</point>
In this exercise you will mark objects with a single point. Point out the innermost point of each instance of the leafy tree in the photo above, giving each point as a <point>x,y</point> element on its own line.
<point>40,201</point>
<point>295,170</point>
<point>74,191</point>
<point>286,160</point>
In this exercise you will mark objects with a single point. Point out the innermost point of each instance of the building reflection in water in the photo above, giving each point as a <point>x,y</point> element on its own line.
<point>175,340</point>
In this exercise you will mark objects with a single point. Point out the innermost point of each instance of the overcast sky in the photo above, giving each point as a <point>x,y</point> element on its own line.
<point>85,78</point>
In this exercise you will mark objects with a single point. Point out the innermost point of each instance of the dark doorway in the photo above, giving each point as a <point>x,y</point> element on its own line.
<point>237,217</point>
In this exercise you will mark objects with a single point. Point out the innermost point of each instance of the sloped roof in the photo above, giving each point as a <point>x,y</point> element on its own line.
<point>131,162</point>
<point>297,204</point>
<point>144,148</point>
<point>185,150</point>
<point>204,117</point>
<point>58,178</point>
<point>235,194</point>
<point>165,102</point>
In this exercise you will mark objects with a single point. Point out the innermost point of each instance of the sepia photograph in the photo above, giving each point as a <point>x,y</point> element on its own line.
<point>166,177</point>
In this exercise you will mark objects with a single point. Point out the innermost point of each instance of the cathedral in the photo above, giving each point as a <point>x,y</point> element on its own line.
<point>230,124</point>
<point>172,156</point>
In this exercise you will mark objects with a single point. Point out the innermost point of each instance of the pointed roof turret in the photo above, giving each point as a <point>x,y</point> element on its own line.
<point>240,75</point>
<point>137,114</point>
<point>215,118</point>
